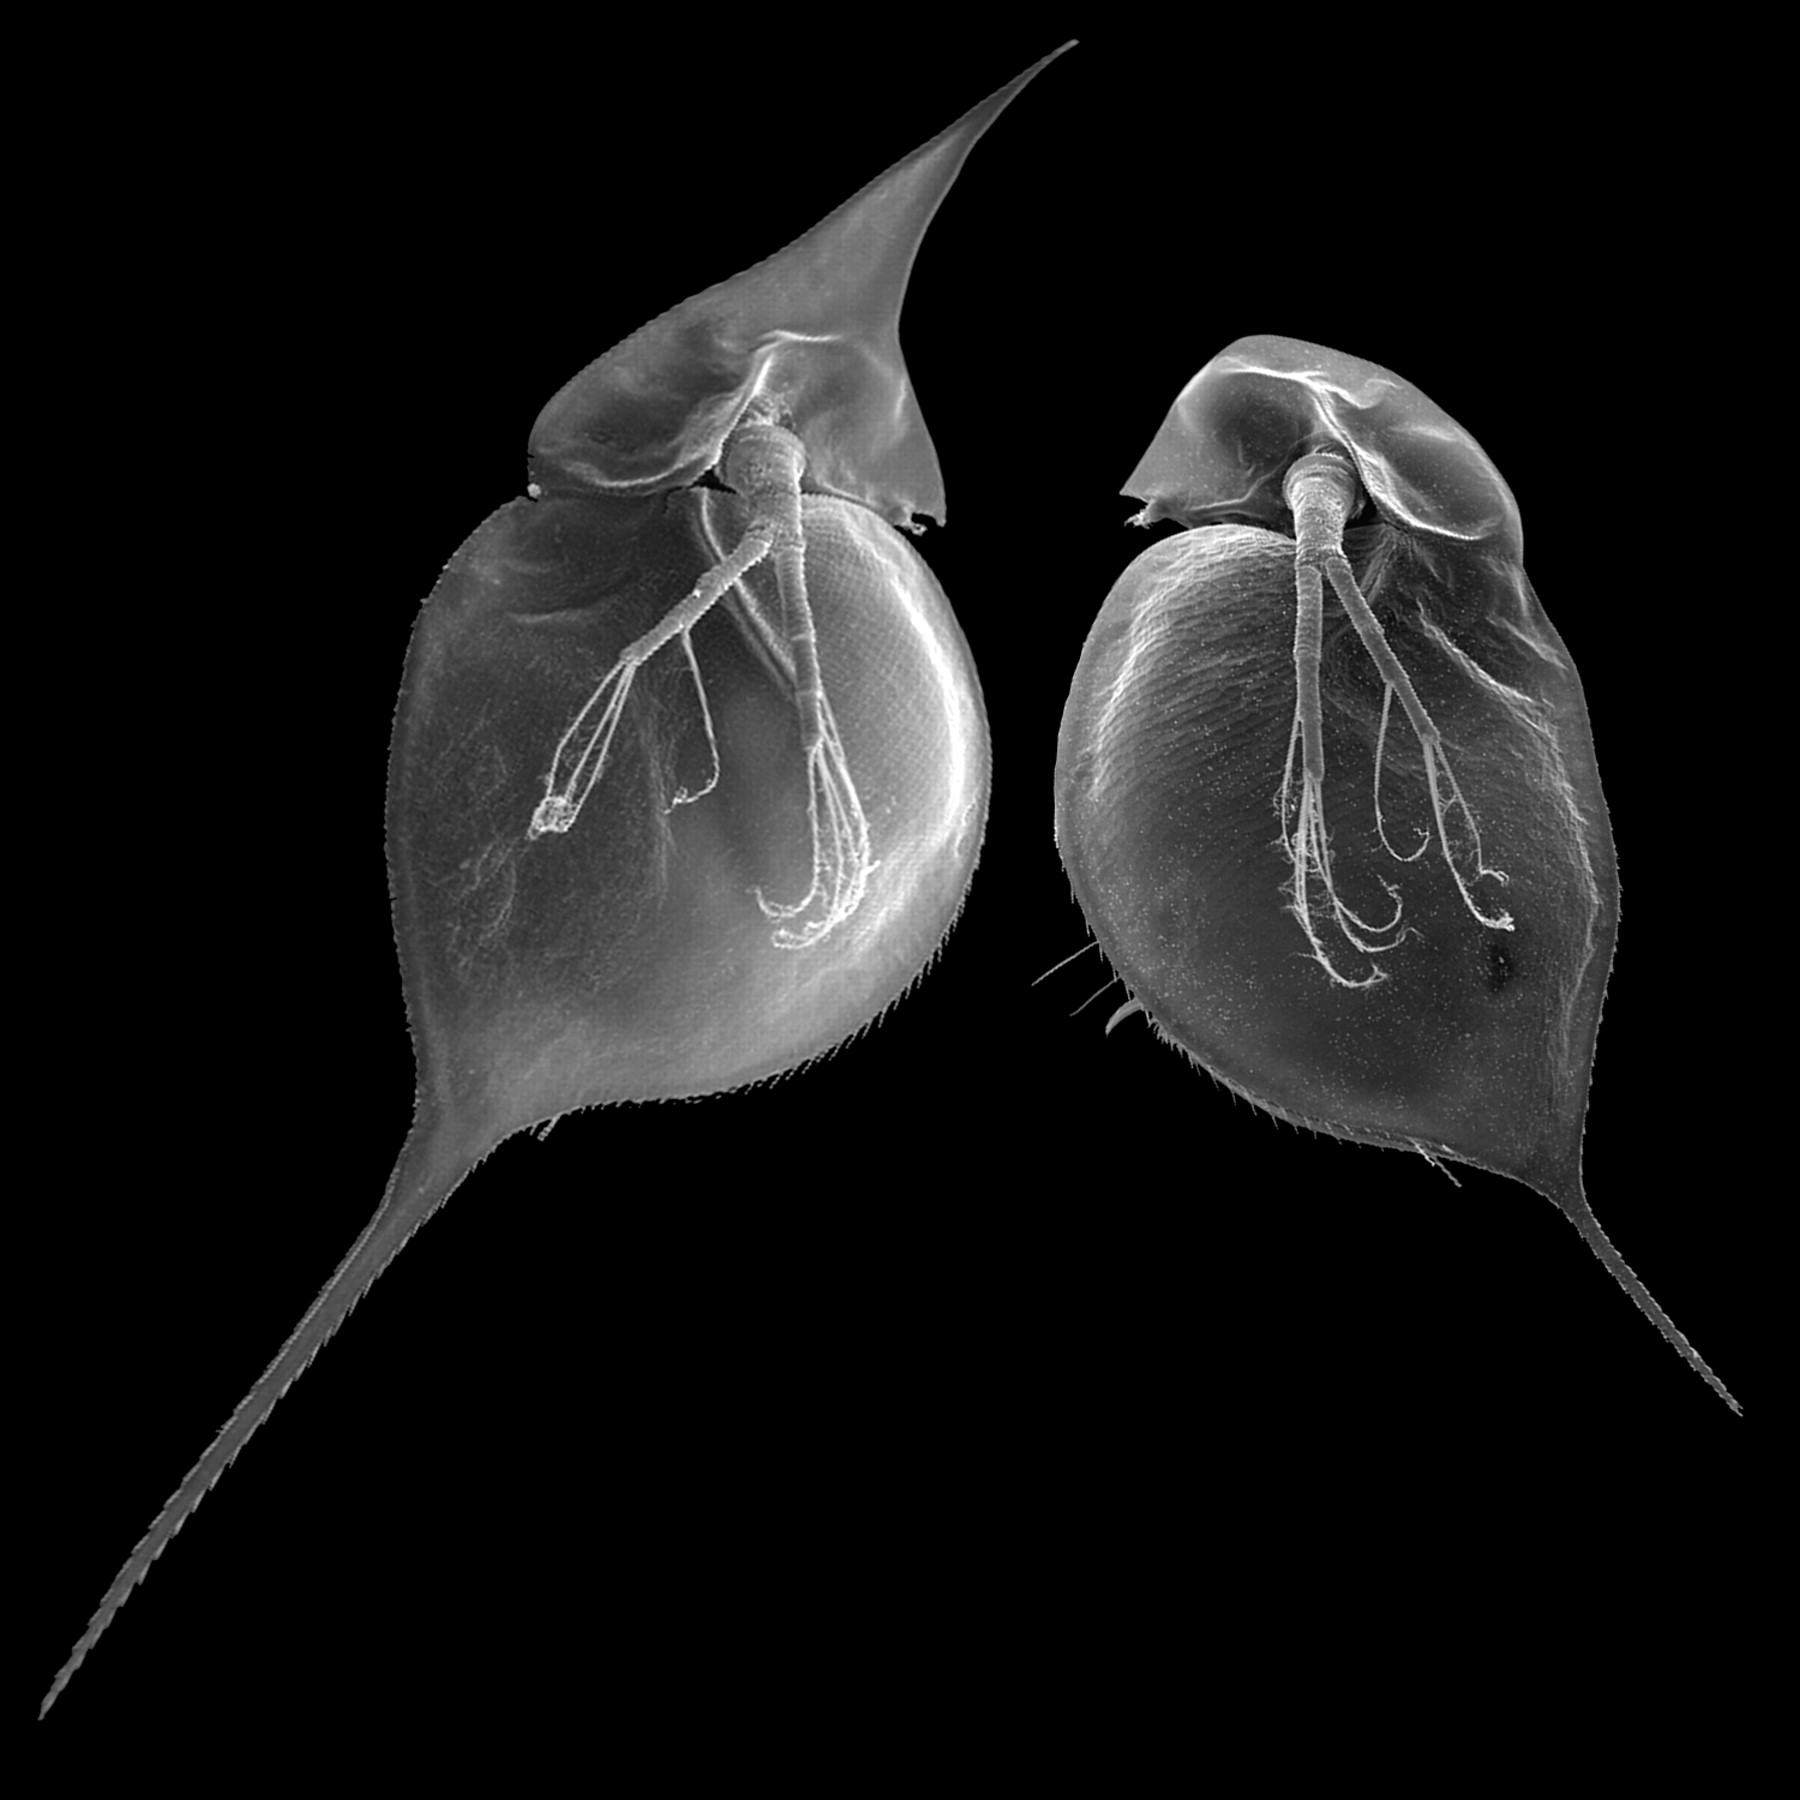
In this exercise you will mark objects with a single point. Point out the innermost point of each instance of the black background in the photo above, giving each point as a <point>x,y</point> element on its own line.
<point>1012,1248</point>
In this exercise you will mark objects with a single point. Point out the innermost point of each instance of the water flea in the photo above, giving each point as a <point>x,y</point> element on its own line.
<point>1326,787</point>
<point>690,771</point>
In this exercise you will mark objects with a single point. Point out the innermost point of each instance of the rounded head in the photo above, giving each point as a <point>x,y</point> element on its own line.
<point>1239,425</point>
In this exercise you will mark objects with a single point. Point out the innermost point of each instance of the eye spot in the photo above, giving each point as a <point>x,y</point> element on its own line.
<point>1500,967</point>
